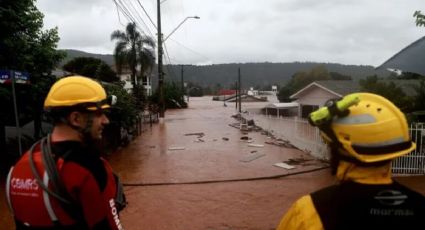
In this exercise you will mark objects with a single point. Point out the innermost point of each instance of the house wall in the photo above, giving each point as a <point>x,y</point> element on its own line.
<point>311,100</point>
<point>315,96</point>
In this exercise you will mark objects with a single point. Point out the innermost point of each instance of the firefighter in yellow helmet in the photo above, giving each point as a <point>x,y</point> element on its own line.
<point>364,132</point>
<point>62,182</point>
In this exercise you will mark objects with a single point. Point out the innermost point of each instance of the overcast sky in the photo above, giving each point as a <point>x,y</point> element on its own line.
<point>366,32</point>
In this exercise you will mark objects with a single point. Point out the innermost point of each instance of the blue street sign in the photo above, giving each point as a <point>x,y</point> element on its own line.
<point>20,77</point>
<point>5,76</point>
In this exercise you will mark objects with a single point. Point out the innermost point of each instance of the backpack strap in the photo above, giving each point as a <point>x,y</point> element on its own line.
<point>58,190</point>
<point>9,201</point>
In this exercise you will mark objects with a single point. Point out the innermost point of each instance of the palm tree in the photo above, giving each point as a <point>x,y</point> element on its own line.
<point>128,50</point>
<point>146,58</point>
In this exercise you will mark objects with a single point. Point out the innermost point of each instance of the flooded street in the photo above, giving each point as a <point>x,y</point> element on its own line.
<point>194,172</point>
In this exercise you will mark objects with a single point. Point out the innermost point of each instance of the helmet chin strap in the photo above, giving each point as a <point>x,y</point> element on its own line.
<point>84,132</point>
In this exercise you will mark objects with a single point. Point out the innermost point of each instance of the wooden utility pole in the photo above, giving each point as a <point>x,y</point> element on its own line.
<point>160,73</point>
<point>240,90</point>
<point>182,86</point>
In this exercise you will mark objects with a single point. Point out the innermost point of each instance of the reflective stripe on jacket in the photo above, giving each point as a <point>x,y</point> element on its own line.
<point>88,180</point>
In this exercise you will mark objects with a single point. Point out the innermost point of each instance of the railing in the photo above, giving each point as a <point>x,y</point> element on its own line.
<point>295,130</point>
<point>414,162</point>
<point>307,138</point>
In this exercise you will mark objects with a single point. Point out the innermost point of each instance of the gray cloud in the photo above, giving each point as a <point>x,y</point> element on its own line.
<point>349,32</point>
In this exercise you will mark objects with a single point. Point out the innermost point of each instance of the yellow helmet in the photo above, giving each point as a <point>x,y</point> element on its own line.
<point>373,130</point>
<point>76,91</point>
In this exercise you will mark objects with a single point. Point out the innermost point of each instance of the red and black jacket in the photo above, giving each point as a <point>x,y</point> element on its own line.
<point>89,183</point>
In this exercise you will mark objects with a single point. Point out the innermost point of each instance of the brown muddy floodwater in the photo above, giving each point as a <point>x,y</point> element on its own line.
<point>194,172</point>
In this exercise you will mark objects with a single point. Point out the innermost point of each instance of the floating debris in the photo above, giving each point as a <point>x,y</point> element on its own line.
<point>252,157</point>
<point>284,165</point>
<point>298,161</point>
<point>256,145</point>
<point>280,142</point>
<point>225,138</point>
<point>176,148</point>
<point>195,134</point>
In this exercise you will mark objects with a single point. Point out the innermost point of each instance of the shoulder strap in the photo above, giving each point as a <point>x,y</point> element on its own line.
<point>325,202</point>
<point>58,190</point>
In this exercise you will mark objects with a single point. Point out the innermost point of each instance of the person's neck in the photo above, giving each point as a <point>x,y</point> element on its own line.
<point>364,175</point>
<point>63,132</point>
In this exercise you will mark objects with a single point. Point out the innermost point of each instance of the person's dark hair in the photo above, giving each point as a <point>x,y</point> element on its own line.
<point>58,115</point>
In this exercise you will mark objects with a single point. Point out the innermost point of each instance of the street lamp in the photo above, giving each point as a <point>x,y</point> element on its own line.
<point>195,17</point>
<point>160,52</point>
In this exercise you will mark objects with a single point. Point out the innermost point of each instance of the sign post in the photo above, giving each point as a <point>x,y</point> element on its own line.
<point>10,76</point>
<point>18,127</point>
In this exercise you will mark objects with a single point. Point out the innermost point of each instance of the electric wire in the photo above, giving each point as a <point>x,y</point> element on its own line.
<point>118,14</point>
<point>278,176</point>
<point>143,8</point>
<point>172,74</point>
<point>130,17</point>
<point>189,49</point>
<point>125,11</point>
<point>137,15</point>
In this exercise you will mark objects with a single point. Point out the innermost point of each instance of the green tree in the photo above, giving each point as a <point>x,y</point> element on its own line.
<point>91,67</point>
<point>128,51</point>
<point>122,116</point>
<point>284,93</point>
<point>25,46</point>
<point>172,96</point>
<point>301,79</point>
<point>420,18</point>
<point>146,59</point>
<point>419,99</point>
<point>196,91</point>
<point>388,90</point>
<point>338,76</point>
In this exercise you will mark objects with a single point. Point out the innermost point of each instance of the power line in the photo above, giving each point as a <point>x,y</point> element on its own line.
<point>147,14</point>
<point>125,11</point>
<point>118,14</point>
<point>140,18</point>
<point>131,15</point>
<point>191,50</point>
<point>169,61</point>
<point>278,176</point>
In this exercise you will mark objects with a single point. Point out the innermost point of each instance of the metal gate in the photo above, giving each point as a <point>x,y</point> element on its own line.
<point>414,162</point>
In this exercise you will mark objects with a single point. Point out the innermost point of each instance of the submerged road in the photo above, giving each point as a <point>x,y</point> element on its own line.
<point>194,172</point>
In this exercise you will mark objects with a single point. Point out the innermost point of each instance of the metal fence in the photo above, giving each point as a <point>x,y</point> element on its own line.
<point>307,138</point>
<point>414,162</point>
<point>295,130</point>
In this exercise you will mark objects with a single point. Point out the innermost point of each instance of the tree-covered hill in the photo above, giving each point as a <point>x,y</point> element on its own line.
<point>71,54</point>
<point>261,74</point>
<point>253,74</point>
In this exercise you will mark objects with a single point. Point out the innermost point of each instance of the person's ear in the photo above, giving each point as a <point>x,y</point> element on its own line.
<point>76,119</point>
